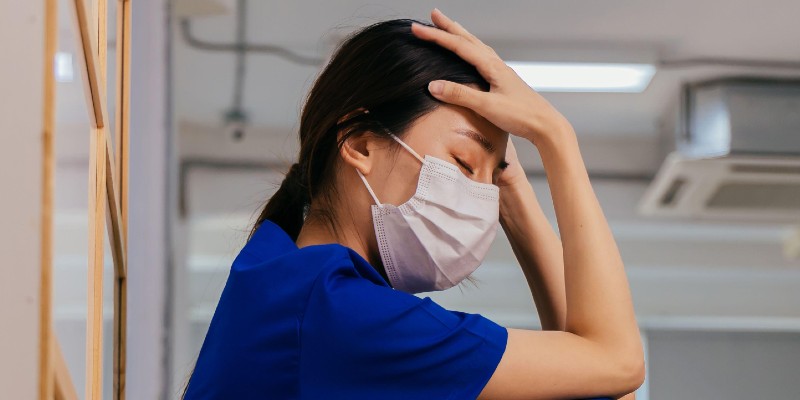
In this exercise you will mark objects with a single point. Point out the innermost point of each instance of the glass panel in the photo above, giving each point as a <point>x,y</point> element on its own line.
<point>70,233</point>
<point>71,213</point>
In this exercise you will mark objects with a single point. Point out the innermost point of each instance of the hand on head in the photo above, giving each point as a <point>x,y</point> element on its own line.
<point>510,103</point>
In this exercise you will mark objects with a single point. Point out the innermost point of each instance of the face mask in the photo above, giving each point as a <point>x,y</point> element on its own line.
<point>442,234</point>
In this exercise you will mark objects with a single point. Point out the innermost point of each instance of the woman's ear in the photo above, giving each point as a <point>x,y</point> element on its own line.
<point>355,152</point>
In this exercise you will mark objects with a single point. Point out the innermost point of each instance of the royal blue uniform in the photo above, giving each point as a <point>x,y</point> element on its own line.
<point>320,323</point>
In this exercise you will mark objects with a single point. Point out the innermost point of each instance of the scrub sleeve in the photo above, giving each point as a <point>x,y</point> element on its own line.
<point>360,338</point>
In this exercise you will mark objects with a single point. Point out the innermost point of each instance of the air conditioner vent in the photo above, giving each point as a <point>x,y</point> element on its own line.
<point>756,196</point>
<point>765,169</point>
<point>737,154</point>
<point>670,195</point>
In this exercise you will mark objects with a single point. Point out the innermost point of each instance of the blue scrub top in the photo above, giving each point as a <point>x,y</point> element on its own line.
<point>321,323</point>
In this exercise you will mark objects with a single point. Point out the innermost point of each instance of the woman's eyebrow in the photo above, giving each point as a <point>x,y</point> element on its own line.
<point>478,137</point>
<point>485,143</point>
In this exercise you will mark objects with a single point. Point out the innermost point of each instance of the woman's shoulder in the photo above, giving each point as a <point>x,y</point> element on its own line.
<point>271,251</point>
<point>271,255</point>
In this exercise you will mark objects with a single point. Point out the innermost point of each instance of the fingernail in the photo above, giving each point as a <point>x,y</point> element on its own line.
<point>435,87</point>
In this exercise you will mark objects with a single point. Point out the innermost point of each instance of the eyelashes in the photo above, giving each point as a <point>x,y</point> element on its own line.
<point>502,166</point>
<point>464,165</point>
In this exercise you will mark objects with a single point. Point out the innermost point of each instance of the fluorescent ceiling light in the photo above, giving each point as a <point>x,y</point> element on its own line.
<point>584,77</point>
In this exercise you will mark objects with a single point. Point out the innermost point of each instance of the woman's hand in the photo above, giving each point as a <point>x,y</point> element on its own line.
<point>510,104</point>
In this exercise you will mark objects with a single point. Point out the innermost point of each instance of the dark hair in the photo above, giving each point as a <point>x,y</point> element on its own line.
<point>383,68</point>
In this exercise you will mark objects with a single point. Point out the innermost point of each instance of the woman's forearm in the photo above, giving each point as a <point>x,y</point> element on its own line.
<point>599,305</point>
<point>538,250</point>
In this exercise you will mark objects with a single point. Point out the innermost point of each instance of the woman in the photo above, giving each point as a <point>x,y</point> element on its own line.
<point>405,172</point>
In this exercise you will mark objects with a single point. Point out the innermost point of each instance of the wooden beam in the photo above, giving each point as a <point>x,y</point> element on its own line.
<point>120,337</point>
<point>94,320</point>
<point>121,125</point>
<point>122,107</point>
<point>91,72</point>
<point>96,71</point>
<point>46,372</point>
<point>114,181</point>
<point>101,46</point>
<point>116,234</point>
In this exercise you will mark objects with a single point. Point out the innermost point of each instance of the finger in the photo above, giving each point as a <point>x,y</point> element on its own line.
<point>458,94</point>
<point>444,22</point>
<point>467,50</point>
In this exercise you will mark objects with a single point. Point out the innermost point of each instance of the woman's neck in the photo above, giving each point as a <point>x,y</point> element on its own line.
<point>316,231</point>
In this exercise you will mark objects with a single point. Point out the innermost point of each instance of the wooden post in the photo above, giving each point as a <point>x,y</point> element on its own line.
<point>94,320</point>
<point>46,334</point>
<point>121,124</point>
<point>97,203</point>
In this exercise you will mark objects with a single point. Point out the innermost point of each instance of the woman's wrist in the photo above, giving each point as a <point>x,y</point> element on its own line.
<point>538,250</point>
<point>517,193</point>
<point>512,198</point>
<point>559,134</point>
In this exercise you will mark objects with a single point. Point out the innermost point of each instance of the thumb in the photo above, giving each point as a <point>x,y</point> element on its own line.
<point>456,93</point>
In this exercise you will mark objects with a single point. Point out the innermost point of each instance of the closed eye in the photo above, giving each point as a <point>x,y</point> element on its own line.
<point>463,164</point>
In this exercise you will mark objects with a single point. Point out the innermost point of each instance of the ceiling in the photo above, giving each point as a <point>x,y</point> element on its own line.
<point>609,30</point>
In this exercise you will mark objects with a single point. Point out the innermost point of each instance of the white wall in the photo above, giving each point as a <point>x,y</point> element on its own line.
<point>21,72</point>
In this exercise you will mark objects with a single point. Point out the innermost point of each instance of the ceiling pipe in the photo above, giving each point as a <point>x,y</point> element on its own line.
<point>192,41</point>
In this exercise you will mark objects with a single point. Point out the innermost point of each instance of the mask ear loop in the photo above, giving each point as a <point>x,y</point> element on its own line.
<point>407,147</point>
<point>364,179</point>
<point>360,175</point>
<point>369,188</point>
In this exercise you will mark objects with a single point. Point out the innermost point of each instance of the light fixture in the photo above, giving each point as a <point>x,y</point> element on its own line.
<point>63,67</point>
<point>584,77</point>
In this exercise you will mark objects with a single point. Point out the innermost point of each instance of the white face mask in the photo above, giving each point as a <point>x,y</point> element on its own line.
<point>442,234</point>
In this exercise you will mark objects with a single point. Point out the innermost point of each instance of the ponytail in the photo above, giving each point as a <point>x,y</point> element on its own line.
<point>287,207</point>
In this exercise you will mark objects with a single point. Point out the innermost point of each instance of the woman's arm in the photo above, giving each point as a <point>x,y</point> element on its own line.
<point>598,297</point>
<point>600,351</point>
<point>534,242</point>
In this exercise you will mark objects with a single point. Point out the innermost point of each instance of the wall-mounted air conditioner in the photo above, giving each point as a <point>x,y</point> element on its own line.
<point>737,155</point>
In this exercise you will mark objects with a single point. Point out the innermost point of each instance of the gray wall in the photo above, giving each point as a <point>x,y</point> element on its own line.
<point>723,365</point>
<point>22,41</point>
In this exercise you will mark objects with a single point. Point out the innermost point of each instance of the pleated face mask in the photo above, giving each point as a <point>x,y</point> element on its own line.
<point>442,234</point>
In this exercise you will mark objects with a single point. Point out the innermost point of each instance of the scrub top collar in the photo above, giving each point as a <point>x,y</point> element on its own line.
<point>270,241</point>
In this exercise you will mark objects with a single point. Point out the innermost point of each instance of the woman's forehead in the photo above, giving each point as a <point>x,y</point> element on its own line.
<point>452,120</point>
